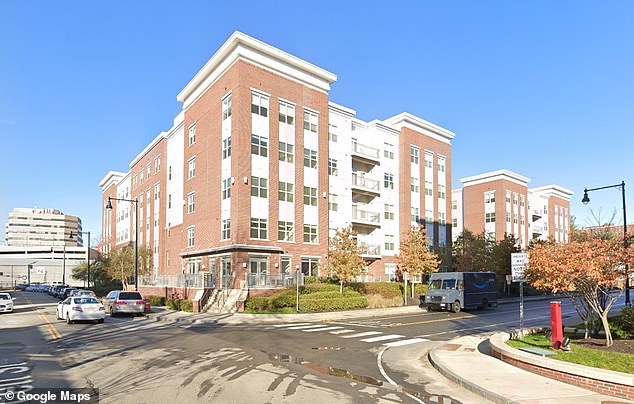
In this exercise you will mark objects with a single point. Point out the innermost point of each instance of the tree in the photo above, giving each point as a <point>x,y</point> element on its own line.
<point>98,270</point>
<point>592,270</point>
<point>415,255</point>
<point>145,260</point>
<point>121,265</point>
<point>500,259</point>
<point>344,256</point>
<point>471,253</point>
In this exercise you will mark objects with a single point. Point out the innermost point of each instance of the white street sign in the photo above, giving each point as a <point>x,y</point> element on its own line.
<point>40,270</point>
<point>519,261</point>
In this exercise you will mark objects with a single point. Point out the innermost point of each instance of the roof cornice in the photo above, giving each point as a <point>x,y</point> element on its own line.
<point>413,122</point>
<point>505,175</point>
<point>112,178</point>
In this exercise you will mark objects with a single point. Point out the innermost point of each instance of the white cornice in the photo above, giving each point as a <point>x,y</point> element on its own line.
<point>241,46</point>
<point>341,110</point>
<point>505,175</point>
<point>553,190</point>
<point>417,124</point>
<point>112,178</point>
<point>149,147</point>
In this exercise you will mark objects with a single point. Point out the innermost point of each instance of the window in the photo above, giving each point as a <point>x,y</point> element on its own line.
<point>285,231</point>
<point>310,196</point>
<point>285,265</point>
<point>390,272</point>
<point>192,134</point>
<point>508,196</point>
<point>415,184</point>
<point>442,218</point>
<point>310,121</point>
<point>332,133</point>
<point>287,113</point>
<point>157,164</point>
<point>259,104</point>
<point>454,204</point>
<point>514,198</point>
<point>286,191</point>
<point>389,212</point>
<point>333,203</point>
<point>454,222</point>
<point>190,202</point>
<point>414,155</point>
<point>169,172</point>
<point>429,188</point>
<point>310,233</point>
<point>388,152</point>
<point>225,232</point>
<point>441,164</point>
<point>489,197</point>
<point>258,228</point>
<point>388,181</point>
<point>508,217</point>
<point>310,266</point>
<point>135,181</point>
<point>287,152</point>
<point>442,193</point>
<point>190,236</point>
<point>429,159</point>
<point>169,201</point>
<point>522,221</point>
<point>259,145</point>
<point>515,219</point>
<point>429,216</point>
<point>157,192</point>
<point>141,176</point>
<point>489,217</point>
<point>226,147</point>
<point>259,187</point>
<point>415,215</point>
<point>226,107</point>
<point>522,200</point>
<point>310,158</point>
<point>226,188</point>
<point>191,168</point>
<point>389,242</point>
<point>332,167</point>
<point>148,171</point>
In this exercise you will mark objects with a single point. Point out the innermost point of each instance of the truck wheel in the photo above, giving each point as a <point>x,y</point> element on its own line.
<point>455,307</point>
<point>485,304</point>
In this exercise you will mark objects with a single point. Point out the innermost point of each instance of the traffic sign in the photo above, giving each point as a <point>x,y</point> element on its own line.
<point>519,261</point>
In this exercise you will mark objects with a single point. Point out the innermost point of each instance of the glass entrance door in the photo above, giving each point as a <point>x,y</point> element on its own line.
<point>258,271</point>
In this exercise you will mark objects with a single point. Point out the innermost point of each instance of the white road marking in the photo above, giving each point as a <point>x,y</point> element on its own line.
<point>383,338</point>
<point>289,325</point>
<point>389,380</point>
<point>305,327</point>
<point>323,329</point>
<point>341,332</point>
<point>406,342</point>
<point>363,334</point>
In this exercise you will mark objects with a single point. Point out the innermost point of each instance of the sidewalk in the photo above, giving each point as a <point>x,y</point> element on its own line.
<point>466,361</point>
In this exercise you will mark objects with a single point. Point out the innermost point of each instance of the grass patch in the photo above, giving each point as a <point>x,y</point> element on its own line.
<point>285,310</point>
<point>579,355</point>
<point>379,302</point>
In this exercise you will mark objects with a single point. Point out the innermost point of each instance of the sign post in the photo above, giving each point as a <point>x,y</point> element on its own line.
<point>405,279</point>
<point>519,261</point>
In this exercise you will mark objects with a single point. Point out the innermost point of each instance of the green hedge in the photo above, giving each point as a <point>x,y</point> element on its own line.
<point>156,300</point>
<point>330,295</point>
<point>318,287</point>
<point>341,303</point>
<point>320,279</point>
<point>181,305</point>
<point>383,289</point>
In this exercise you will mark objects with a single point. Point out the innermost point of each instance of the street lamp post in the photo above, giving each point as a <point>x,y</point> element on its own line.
<point>87,253</point>
<point>136,234</point>
<point>586,200</point>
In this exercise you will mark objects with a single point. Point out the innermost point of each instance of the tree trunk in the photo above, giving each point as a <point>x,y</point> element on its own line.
<point>606,328</point>
<point>341,287</point>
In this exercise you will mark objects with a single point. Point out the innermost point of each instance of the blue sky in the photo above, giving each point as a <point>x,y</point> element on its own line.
<point>541,88</point>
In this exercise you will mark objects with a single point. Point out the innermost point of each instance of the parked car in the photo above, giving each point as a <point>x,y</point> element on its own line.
<point>66,293</point>
<point>121,301</point>
<point>82,293</point>
<point>80,308</point>
<point>6,303</point>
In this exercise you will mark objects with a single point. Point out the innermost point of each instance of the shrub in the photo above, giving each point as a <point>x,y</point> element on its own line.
<point>341,303</point>
<point>318,287</point>
<point>258,303</point>
<point>156,300</point>
<point>330,295</point>
<point>319,279</point>
<point>286,298</point>
<point>383,289</point>
<point>186,305</point>
<point>627,319</point>
<point>174,304</point>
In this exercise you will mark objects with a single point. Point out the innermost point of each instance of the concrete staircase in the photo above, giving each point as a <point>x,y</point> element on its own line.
<point>224,301</point>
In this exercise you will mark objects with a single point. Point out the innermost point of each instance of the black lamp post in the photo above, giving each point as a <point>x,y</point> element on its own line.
<point>586,200</point>
<point>136,234</point>
<point>87,253</point>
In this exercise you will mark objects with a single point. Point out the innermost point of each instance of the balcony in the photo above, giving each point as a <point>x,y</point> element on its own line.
<point>537,214</point>
<point>269,281</point>
<point>365,153</point>
<point>200,280</point>
<point>365,218</point>
<point>370,250</point>
<point>365,185</point>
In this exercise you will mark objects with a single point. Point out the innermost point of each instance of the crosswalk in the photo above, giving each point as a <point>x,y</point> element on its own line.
<point>370,337</point>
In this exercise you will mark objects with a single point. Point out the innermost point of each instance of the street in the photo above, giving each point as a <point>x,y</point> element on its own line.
<point>131,359</point>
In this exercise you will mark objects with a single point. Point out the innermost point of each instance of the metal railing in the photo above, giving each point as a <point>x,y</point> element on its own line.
<point>199,280</point>
<point>365,150</point>
<point>365,215</point>
<point>370,249</point>
<point>361,181</point>
<point>269,281</point>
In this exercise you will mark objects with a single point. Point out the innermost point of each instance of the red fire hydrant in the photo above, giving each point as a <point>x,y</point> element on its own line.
<point>556,325</point>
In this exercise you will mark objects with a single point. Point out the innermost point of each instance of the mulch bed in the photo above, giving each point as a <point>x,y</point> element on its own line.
<point>620,345</point>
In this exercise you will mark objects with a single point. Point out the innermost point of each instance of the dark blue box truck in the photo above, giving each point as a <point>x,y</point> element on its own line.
<point>456,291</point>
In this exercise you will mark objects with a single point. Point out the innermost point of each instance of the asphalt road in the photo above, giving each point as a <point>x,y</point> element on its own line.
<point>132,360</point>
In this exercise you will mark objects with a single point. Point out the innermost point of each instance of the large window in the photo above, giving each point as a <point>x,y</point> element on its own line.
<point>285,231</point>
<point>388,181</point>
<point>226,107</point>
<point>489,197</point>
<point>310,158</point>
<point>332,133</point>
<point>415,184</point>
<point>389,212</point>
<point>258,228</point>
<point>157,164</point>
<point>191,168</point>
<point>388,151</point>
<point>287,113</point>
<point>190,202</point>
<point>389,242</point>
<point>415,213</point>
<point>332,167</point>
<point>191,240</point>
<point>414,155</point>
<point>310,121</point>
<point>390,272</point>
<point>225,232</point>
<point>490,218</point>
<point>226,188</point>
<point>226,147</point>
<point>310,196</point>
<point>429,159</point>
<point>259,145</point>
<point>310,266</point>
<point>287,152</point>
<point>442,193</point>
<point>441,164</point>
<point>260,104</point>
<point>192,135</point>
<point>333,204</point>
<point>259,187</point>
<point>310,233</point>
<point>286,191</point>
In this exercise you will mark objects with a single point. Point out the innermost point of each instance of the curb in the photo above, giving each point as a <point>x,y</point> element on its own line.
<point>489,395</point>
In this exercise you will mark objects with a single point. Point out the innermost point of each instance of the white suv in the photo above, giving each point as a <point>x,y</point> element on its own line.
<point>6,303</point>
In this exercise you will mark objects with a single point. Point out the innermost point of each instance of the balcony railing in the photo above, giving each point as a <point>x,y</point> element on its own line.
<point>370,249</point>
<point>366,216</point>
<point>363,182</point>
<point>269,281</point>
<point>365,151</point>
<point>199,280</point>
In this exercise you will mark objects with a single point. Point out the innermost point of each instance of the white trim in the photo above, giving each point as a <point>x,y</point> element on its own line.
<point>280,99</point>
<point>505,175</point>
<point>340,109</point>
<point>260,92</point>
<point>420,125</point>
<point>149,147</point>
<point>314,111</point>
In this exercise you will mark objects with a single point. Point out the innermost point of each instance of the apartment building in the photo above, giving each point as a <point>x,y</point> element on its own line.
<point>500,203</point>
<point>260,168</point>
<point>32,227</point>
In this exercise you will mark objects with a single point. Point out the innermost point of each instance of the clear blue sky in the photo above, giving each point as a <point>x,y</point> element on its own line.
<point>542,88</point>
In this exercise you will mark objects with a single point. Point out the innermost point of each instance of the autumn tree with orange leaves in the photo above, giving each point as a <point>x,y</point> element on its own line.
<point>591,270</point>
